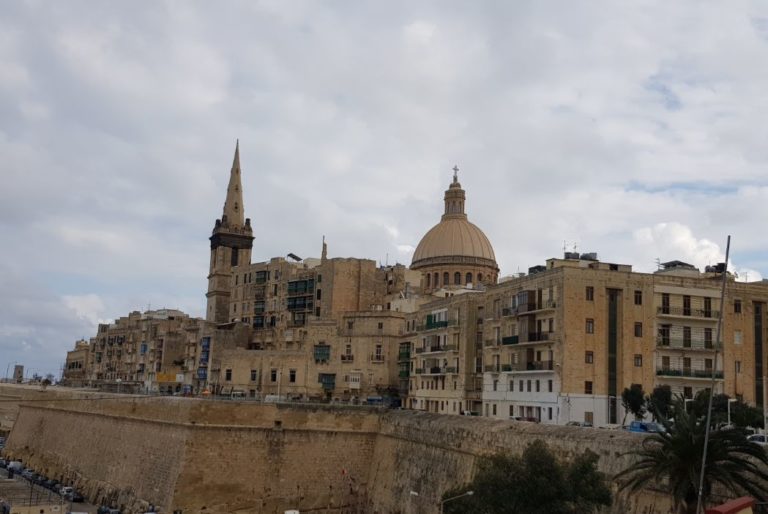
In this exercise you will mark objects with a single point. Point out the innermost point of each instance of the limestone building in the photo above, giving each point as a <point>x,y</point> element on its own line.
<point>562,342</point>
<point>76,366</point>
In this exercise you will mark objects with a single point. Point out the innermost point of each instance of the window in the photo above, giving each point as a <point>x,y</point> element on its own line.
<point>468,278</point>
<point>550,412</point>
<point>254,375</point>
<point>292,376</point>
<point>638,329</point>
<point>479,277</point>
<point>228,375</point>
<point>273,375</point>
<point>494,409</point>
<point>495,385</point>
<point>319,294</point>
<point>638,297</point>
<point>737,339</point>
<point>686,305</point>
<point>538,387</point>
<point>589,417</point>
<point>590,326</point>
<point>665,303</point>
<point>512,386</point>
<point>638,360</point>
<point>589,357</point>
<point>737,306</point>
<point>549,385</point>
<point>688,392</point>
<point>457,278</point>
<point>587,387</point>
<point>686,337</point>
<point>738,366</point>
<point>445,278</point>
<point>436,279</point>
<point>521,386</point>
<point>528,385</point>
<point>708,338</point>
<point>429,280</point>
<point>590,293</point>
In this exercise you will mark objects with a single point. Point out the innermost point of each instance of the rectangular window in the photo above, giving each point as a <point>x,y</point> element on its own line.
<point>589,417</point>
<point>494,409</point>
<point>665,303</point>
<point>686,305</point>
<point>495,385</point>
<point>538,386</point>
<point>708,338</point>
<point>529,386</point>
<point>738,366</point>
<point>587,387</point>
<point>665,363</point>
<point>521,386</point>
<point>228,375</point>
<point>590,293</point>
<point>590,326</point>
<point>512,386</point>
<point>549,385</point>
<point>589,357</point>
<point>638,297</point>
<point>638,329</point>
<point>687,337</point>
<point>254,375</point>
<point>292,375</point>
<point>737,339</point>
<point>550,412</point>
<point>638,360</point>
<point>688,392</point>
<point>273,375</point>
<point>737,306</point>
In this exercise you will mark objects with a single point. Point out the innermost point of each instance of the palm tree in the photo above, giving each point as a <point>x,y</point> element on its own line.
<point>672,461</point>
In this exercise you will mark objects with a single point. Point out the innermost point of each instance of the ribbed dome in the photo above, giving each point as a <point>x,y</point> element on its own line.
<point>454,237</point>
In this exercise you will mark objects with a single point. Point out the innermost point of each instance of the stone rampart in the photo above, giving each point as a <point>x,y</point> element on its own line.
<point>207,456</point>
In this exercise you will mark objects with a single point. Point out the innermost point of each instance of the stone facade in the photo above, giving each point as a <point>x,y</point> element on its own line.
<point>561,343</point>
<point>76,366</point>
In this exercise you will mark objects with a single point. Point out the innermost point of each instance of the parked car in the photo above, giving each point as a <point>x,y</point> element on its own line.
<point>760,439</point>
<point>3,463</point>
<point>77,497</point>
<point>16,465</point>
<point>645,427</point>
<point>66,490</point>
<point>52,485</point>
<point>27,473</point>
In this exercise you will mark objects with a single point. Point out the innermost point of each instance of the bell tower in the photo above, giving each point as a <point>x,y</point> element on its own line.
<point>231,244</point>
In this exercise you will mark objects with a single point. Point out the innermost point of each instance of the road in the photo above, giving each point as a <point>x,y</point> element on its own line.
<point>21,491</point>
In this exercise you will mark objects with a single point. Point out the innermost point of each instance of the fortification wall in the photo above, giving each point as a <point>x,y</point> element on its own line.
<point>206,456</point>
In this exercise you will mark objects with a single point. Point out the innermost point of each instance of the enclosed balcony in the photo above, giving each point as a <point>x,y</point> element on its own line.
<point>684,372</point>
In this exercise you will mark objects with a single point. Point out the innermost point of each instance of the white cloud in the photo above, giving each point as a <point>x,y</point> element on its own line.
<point>637,131</point>
<point>88,307</point>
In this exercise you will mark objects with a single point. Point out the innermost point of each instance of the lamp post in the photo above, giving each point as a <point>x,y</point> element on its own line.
<point>730,400</point>
<point>119,380</point>
<point>443,502</point>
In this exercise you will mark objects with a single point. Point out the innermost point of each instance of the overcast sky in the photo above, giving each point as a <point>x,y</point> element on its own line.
<point>635,130</point>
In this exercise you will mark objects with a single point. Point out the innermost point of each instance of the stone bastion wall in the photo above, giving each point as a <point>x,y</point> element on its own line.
<point>205,456</point>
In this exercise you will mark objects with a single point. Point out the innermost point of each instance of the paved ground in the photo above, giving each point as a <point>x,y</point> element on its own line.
<point>20,491</point>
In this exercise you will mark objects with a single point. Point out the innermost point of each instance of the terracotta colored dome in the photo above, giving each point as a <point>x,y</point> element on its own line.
<point>455,241</point>
<point>454,237</point>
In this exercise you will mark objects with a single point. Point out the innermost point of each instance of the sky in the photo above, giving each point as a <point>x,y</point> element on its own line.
<point>634,130</point>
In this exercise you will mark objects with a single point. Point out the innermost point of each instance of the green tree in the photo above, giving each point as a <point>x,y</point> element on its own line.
<point>633,400</point>
<point>660,402</point>
<point>535,483</point>
<point>672,462</point>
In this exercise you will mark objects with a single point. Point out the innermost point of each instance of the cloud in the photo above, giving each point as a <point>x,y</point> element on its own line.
<point>636,132</point>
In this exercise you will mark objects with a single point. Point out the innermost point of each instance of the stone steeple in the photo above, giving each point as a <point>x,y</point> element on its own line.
<point>231,244</point>
<point>234,214</point>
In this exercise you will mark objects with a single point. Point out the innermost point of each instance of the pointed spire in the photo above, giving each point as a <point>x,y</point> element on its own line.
<point>233,206</point>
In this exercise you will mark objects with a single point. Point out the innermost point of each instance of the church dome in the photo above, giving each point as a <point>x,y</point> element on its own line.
<point>454,237</point>
<point>455,244</point>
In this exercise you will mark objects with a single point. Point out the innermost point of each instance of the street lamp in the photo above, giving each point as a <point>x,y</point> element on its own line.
<point>730,400</point>
<point>443,502</point>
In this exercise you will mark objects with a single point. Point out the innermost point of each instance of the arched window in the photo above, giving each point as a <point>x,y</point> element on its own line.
<point>446,278</point>
<point>429,277</point>
<point>457,278</point>
<point>469,278</point>
<point>436,280</point>
<point>479,277</point>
